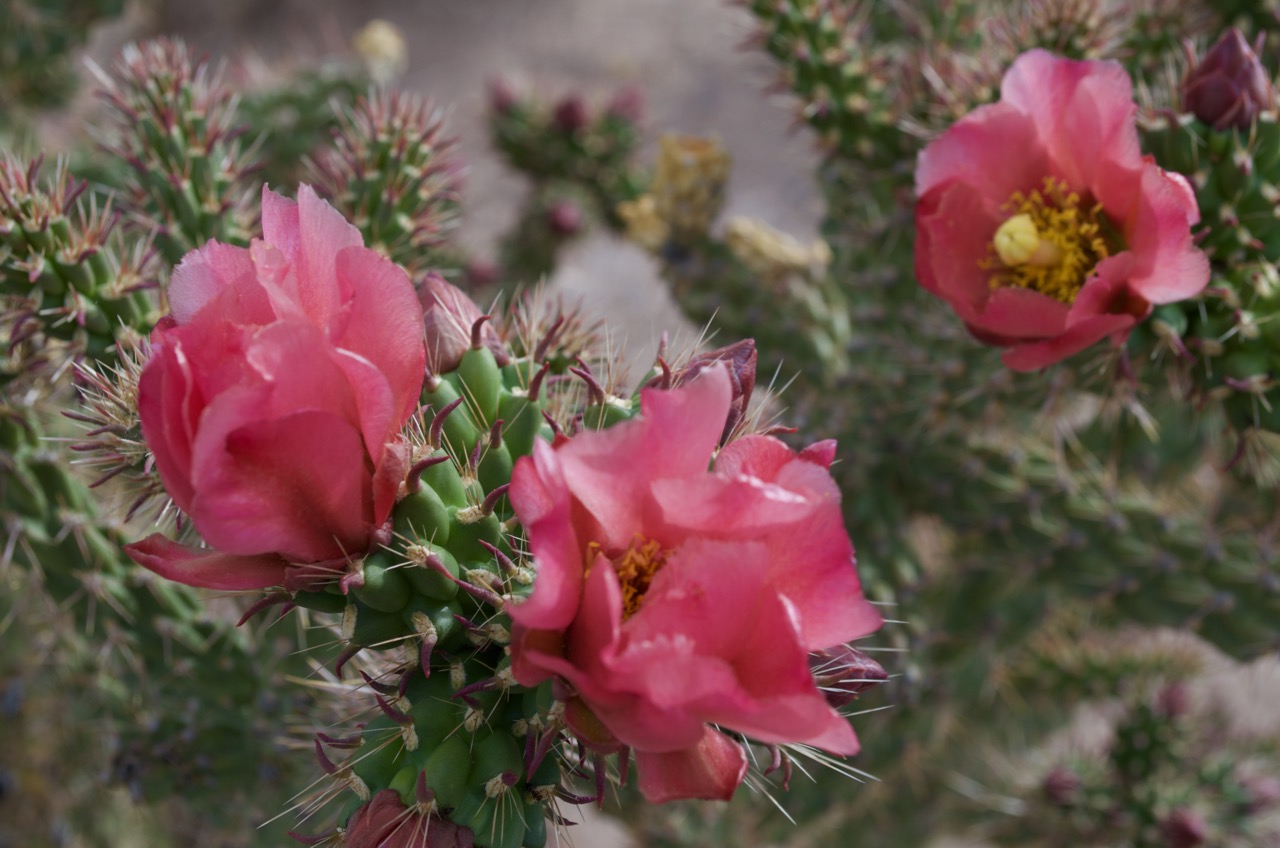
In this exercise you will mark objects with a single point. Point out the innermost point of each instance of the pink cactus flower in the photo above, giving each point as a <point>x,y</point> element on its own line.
<point>450,318</point>
<point>385,822</point>
<point>672,596</point>
<point>1041,223</point>
<point>274,397</point>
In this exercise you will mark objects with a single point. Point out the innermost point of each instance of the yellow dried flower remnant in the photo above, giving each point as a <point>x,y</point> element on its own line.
<point>772,253</point>
<point>382,47</point>
<point>644,227</point>
<point>689,183</point>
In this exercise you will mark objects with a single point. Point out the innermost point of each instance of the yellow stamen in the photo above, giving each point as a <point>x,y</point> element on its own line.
<point>635,567</point>
<point>1051,243</point>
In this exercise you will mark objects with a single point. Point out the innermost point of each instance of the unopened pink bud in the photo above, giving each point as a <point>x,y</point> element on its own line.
<point>843,673</point>
<point>449,317</point>
<point>1229,86</point>
<point>1184,828</point>
<point>628,104</point>
<point>502,96</point>
<point>565,218</point>
<point>741,359</point>
<point>571,114</point>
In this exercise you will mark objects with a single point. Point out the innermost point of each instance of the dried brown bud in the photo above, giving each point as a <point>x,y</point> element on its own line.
<point>1184,828</point>
<point>449,317</point>
<point>843,673</point>
<point>1229,86</point>
<point>741,359</point>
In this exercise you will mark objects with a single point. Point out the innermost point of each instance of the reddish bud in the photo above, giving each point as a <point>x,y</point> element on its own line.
<point>449,317</point>
<point>1061,787</point>
<point>564,218</point>
<point>1263,792</point>
<point>571,114</point>
<point>1174,701</point>
<point>741,359</point>
<point>1184,828</point>
<point>482,272</point>
<point>843,673</point>
<point>385,822</point>
<point>627,104</point>
<point>502,96</point>
<point>1229,86</point>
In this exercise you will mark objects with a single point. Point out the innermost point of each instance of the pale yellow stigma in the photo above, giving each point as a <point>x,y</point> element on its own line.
<point>1018,242</point>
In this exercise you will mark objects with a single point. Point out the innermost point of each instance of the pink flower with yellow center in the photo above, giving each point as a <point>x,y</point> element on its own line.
<point>676,597</point>
<point>1040,222</point>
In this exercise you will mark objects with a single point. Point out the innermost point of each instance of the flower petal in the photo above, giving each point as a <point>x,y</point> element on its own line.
<point>205,568</point>
<point>710,770</point>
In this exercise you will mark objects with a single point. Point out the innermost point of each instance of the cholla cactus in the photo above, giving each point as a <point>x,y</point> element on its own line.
<point>390,170</point>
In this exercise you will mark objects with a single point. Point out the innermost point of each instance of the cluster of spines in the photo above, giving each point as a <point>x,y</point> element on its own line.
<point>390,171</point>
<point>175,124</point>
<point>63,273</point>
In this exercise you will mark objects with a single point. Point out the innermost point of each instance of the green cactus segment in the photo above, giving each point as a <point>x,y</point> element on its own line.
<point>63,270</point>
<point>1228,340</point>
<point>176,127</point>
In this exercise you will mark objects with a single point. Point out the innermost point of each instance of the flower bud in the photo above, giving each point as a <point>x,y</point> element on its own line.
<point>1184,828</point>
<point>1229,86</point>
<point>1174,701</point>
<point>1061,787</point>
<point>1263,792</point>
<point>571,114</point>
<point>449,317</point>
<point>564,218</point>
<point>627,104</point>
<point>502,96</point>
<point>843,673</point>
<point>741,358</point>
<point>385,822</point>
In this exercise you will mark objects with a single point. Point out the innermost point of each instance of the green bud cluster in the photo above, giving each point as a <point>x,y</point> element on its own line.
<point>176,126</point>
<point>389,171</point>
<point>63,273</point>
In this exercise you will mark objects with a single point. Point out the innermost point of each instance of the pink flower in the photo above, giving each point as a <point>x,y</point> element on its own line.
<point>385,822</point>
<point>274,397</point>
<point>450,318</point>
<point>670,597</point>
<point>1041,223</point>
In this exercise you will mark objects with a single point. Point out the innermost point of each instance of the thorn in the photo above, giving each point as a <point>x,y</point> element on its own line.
<point>329,766</point>
<point>595,392</point>
<point>504,561</point>
<point>474,462</point>
<point>548,339</point>
<point>339,741</point>
<point>624,765</point>
<point>476,329</point>
<point>535,385</point>
<point>384,688</point>
<point>391,712</point>
<point>266,603</point>
<point>495,434</point>
<point>491,499</point>
<point>414,479</point>
<point>345,657</point>
<point>437,423</point>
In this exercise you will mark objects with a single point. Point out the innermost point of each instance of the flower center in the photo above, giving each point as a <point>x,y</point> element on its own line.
<point>635,568</point>
<point>1050,244</point>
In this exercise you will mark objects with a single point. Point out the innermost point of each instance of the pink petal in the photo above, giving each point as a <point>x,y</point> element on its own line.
<point>955,224</point>
<point>995,148</point>
<point>675,435</point>
<point>1030,357</point>
<point>280,227</point>
<point>204,274</point>
<point>540,496</point>
<point>206,568</point>
<point>324,233</point>
<point>381,320</point>
<point>390,471</point>
<point>166,394</point>
<point>710,770</point>
<point>296,485</point>
<point>1171,267</point>
<point>1017,313</point>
